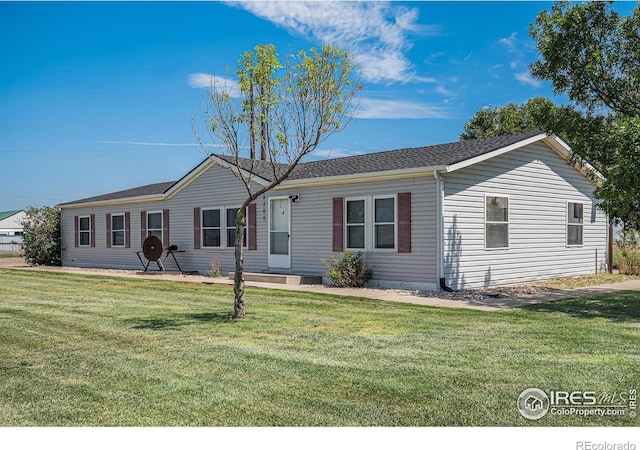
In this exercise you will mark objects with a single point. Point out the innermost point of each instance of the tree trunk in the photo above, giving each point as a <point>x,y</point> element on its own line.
<point>252,137</point>
<point>238,279</point>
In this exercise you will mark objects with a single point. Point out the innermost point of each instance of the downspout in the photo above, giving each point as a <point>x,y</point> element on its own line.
<point>440,231</point>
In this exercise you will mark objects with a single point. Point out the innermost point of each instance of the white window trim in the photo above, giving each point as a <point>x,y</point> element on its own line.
<point>232,245</point>
<point>124,230</point>
<point>508,222</point>
<point>202,228</point>
<point>80,231</point>
<point>161,229</point>
<point>366,224</point>
<point>567,224</point>
<point>224,245</point>
<point>370,223</point>
<point>394,249</point>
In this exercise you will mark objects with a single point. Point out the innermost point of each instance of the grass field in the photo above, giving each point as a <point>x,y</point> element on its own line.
<point>85,350</point>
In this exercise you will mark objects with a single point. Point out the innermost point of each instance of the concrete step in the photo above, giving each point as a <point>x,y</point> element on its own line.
<point>280,278</point>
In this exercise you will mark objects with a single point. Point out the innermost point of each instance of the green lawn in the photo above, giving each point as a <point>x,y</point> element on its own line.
<point>11,255</point>
<point>83,350</point>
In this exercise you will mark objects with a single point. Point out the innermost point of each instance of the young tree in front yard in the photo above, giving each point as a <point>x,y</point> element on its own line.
<point>289,107</point>
<point>41,239</point>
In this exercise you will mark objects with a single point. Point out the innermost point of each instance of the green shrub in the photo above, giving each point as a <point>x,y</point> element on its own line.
<point>41,239</point>
<point>627,258</point>
<point>349,270</point>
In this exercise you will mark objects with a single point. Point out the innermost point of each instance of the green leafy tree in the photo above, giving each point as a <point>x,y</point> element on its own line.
<point>592,54</point>
<point>290,107</point>
<point>41,236</point>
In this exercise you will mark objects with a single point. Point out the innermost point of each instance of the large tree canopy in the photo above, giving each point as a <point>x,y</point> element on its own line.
<point>290,107</point>
<point>592,54</point>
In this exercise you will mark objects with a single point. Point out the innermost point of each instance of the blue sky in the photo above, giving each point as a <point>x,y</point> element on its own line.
<point>98,97</point>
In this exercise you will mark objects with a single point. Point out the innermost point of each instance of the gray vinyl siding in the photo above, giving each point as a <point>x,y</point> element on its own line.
<point>538,183</point>
<point>311,230</point>
<point>217,187</point>
<point>311,237</point>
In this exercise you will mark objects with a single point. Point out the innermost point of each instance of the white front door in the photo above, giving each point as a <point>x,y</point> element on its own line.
<point>279,233</point>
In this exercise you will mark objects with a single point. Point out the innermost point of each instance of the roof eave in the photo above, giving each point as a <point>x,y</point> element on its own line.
<point>494,153</point>
<point>115,201</point>
<point>360,177</point>
<point>210,161</point>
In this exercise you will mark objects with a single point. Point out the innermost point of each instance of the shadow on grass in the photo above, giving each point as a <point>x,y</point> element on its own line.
<point>181,321</point>
<point>618,307</point>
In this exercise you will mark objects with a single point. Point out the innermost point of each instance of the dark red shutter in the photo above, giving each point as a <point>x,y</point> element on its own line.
<point>108,230</point>
<point>93,230</point>
<point>165,228</point>
<point>404,222</point>
<point>338,224</point>
<point>196,228</point>
<point>143,226</point>
<point>76,225</point>
<point>252,227</point>
<point>127,230</point>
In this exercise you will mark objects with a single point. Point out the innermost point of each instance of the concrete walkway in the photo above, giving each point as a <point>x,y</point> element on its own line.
<point>391,295</point>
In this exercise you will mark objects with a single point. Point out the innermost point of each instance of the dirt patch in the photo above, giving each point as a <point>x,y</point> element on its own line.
<point>12,262</point>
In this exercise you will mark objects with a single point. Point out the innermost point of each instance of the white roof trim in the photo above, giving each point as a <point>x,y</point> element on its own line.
<point>360,177</point>
<point>115,201</point>
<point>494,153</point>
<point>210,161</point>
<point>554,142</point>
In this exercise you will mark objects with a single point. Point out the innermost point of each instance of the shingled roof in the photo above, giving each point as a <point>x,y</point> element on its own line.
<point>431,156</point>
<point>141,191</point>
<point>408,158</point>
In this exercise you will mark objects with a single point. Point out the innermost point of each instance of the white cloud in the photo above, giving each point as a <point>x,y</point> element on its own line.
<point>332,153</point>
<point>525,78</point>
<point>205,80</point>
<point>511,42</point>
<point>398,109</point>
<point>442,90</point>
<point>153,144</point>
<point>376,33</point>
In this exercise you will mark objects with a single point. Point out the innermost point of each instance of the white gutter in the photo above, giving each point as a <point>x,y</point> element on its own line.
<point>439,225</point>
<point>112,202</point>
<point>360,177</point>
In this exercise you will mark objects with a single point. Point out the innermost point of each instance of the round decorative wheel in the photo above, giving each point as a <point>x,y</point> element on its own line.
<point>152,248</point>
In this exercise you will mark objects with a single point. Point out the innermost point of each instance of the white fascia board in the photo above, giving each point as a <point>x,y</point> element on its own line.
<point>204,166</point>
<point>554,142</point>
<point>360,177</point>
<point>493,154</point>
<point>116,201</point>
<point>563,149</point>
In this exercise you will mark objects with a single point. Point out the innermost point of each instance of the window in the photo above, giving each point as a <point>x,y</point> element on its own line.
<point>496,222</point>
<point>154,224</point>
<point>384,222</point>
<point>371,223</point>
<point>356,224</point>
<point>231,228</point>
<point>84,231</point>
<point>213,231</point>
<point>575,220</point>
<point>211,228</point>
<point>117,230</point>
